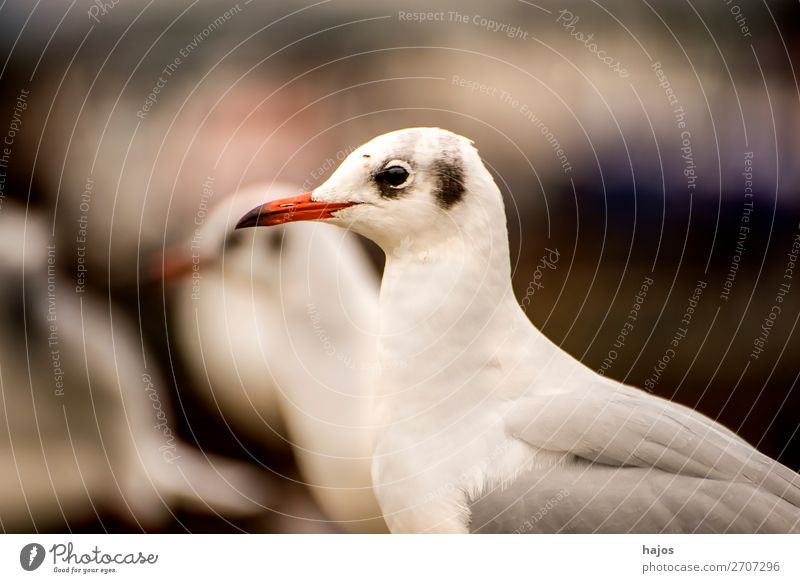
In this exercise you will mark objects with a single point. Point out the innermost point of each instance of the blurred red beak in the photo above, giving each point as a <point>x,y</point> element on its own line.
<point>172,264</point>
<point>286,210</point>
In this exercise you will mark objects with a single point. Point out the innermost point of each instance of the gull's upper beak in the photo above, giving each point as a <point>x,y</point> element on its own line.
<point>286,210</point>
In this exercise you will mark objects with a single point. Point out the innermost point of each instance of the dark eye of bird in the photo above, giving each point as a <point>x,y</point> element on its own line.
<point>393,176</point>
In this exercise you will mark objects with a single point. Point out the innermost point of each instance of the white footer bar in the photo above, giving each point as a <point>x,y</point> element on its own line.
<point>387,558</point>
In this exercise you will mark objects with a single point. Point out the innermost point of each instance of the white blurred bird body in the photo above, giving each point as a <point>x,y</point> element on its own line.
<point>283,333</point>
<point>226,360</point>
<point>482,419</point>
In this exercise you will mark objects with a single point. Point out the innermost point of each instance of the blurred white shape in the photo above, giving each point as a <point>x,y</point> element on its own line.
<point>279,328</point>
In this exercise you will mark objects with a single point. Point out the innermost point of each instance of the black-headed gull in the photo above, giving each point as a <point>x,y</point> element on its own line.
<point>279,328</point>
<point>487,424</point>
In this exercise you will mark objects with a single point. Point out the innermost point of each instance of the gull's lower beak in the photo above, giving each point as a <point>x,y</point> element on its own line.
<point>286,210</point>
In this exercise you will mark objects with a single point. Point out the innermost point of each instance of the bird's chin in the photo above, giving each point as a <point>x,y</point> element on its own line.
<point>355,219</point>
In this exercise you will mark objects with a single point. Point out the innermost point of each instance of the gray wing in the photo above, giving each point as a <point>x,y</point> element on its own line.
<point>643,456</point>
<point>595,498</point>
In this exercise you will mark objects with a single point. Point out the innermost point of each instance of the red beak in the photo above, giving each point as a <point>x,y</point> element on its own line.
<point>172,264</point>
<point>286,210</point>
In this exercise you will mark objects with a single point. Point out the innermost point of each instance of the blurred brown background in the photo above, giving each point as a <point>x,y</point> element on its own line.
<point>582,134</point>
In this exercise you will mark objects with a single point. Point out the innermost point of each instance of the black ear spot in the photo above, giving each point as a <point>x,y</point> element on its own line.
<point>449,181</point>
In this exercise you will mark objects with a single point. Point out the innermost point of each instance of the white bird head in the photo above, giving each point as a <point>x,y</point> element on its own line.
<point>416,186</point>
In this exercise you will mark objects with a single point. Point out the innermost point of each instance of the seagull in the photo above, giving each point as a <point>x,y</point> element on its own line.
<point>212,285</point>
<point>85,427</point>
<point>482,423</point>
<point>279,329</point>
